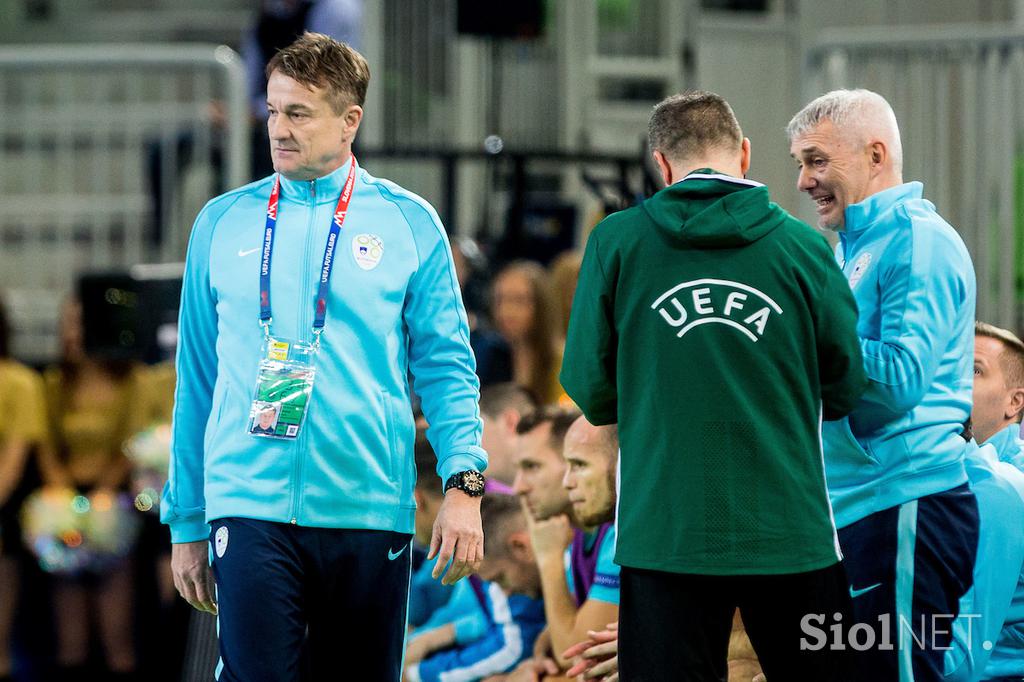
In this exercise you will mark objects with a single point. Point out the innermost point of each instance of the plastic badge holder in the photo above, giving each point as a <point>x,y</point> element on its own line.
<point>283,389</point>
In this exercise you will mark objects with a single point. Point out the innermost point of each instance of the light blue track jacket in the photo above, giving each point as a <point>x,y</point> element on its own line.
<point>352,465</point>
<point>514,623</point>
<point>1009,445</point>
<point>914,284</point>
<point>999,568</point>
<point>1007,658</point>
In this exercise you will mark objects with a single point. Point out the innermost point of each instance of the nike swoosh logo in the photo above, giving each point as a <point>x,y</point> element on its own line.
<point>856,593</point>
<point>392,555</point>
<point>243,254</point>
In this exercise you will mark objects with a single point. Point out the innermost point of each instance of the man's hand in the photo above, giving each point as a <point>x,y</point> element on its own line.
<point>550,537</point>
<point>457,532</point>
<point>599,655</point>
<point>533,670</point>
<point>190,566</point>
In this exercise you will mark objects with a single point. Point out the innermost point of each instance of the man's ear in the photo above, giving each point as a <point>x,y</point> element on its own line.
<point>745,156</point>
<point>353,117</point>
<point>510,420</point>
<point>663,167</point>
<point>878,154</point>
<point>1015,405</point>
<point>519,547</point>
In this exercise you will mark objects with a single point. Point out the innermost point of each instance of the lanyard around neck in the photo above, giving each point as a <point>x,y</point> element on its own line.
<point>337,220</point>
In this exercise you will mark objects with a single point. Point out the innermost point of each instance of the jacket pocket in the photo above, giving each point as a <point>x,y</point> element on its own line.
<point>845,442</point>
<point>392,433</point>
<point>220,401</point>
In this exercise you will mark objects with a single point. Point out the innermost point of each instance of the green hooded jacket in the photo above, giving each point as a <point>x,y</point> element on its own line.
<point>717,331</point>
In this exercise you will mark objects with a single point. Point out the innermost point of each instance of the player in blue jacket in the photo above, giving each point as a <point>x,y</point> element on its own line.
<point>314,294</point>
<point>998,572</point>
<point>996,418</point>
<point>907,520</point>
<point>510,597</point>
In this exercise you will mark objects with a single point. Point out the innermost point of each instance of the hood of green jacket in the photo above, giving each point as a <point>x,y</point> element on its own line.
<point>707,209</point>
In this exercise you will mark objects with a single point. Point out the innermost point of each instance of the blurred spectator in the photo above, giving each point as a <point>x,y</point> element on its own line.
<point>501,408</point>
<point>511,598</point>
<point>93,406</point>
<point>525,314</point>
<point>22,429</point>
<point>565,272</point>
<point>277,25</point>
<point>493,357</point>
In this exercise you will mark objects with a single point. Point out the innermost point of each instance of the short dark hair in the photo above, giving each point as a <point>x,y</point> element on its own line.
<point>427,479</point>
<point>560,418</point>
<point>1012,358</point>
<point>501,515</point>
<point>321,61</point>
<point>497,398</point>
<point>689,124</point>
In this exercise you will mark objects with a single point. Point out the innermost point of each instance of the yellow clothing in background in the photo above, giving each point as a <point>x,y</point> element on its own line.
<point>22,408</point>
<point>90,420</point>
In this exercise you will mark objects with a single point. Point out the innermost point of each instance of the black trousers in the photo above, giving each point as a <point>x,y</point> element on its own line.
<point>336,597</point>
<point>675,627</point>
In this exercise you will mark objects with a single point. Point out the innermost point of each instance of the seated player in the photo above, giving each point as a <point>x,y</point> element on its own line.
<point>996,416</point>
<point>510,595</point>
<point>566,478</point>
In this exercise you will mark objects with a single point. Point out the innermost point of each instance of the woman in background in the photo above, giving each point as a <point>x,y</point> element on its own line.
<point>524,312</point>
<point>94,406</point>
<point>22,428</point>
<point>564,272</point>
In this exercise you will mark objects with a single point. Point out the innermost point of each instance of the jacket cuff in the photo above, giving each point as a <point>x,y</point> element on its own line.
<point>189,530</point>
<point>471,459</point>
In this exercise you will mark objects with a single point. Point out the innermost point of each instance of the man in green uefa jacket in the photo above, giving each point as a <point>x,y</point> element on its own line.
<point>718,332</point>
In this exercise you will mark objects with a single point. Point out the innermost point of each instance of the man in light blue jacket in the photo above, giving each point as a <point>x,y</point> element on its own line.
<point>319,275</point>
<point>907,519</point>
<point>996,418</point>
<point>979,631</point>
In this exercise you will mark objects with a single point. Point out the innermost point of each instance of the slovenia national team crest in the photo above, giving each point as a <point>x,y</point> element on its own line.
<point>859,268</point>
<point>220,541</point>
<point>716,301</point>
<point>367,249</point>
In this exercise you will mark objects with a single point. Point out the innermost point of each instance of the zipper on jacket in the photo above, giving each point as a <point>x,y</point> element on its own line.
<point>303,323</point>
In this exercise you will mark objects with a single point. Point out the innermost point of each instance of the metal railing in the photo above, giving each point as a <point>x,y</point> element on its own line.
<point>958,93</point>
<point>106,154</point>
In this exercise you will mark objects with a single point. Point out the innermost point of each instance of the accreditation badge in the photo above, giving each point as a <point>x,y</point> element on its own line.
<point>283,388</point>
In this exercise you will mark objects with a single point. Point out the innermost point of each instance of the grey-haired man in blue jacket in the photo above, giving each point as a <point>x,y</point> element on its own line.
<point>907,519</point>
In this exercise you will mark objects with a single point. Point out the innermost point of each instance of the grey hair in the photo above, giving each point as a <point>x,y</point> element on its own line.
<point>850,111</point>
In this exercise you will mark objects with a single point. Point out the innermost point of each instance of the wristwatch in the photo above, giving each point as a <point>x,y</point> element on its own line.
<point>469,482</point>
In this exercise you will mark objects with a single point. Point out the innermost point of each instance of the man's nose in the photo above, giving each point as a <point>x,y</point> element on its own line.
<point>278,128</point>
<point>804,181</point>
